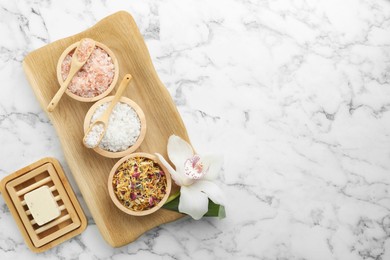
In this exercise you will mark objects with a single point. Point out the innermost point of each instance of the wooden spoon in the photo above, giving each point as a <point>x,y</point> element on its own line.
<point>96,130</point>
<point>77,63</point>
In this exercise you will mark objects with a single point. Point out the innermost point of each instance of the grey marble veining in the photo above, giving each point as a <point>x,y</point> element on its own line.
<point>294,94</point>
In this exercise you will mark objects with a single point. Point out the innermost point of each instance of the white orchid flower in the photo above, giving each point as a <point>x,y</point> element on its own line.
<point>196,175</point>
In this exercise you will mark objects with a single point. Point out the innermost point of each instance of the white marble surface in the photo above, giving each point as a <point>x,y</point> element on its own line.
<point>294,94</point>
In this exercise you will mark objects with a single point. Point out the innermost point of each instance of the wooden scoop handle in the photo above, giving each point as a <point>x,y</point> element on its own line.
<point>53,103</point>
<point>125,81</point>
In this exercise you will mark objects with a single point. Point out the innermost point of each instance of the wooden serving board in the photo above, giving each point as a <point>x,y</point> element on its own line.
<point>90,170</point>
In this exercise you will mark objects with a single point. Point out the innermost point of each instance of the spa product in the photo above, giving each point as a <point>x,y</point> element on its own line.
<point>82,53</point>
<point>42,205</point>
<point>95,77</point>
<point>124,127</point>
<point>139,183</point>
<point>98,128</point>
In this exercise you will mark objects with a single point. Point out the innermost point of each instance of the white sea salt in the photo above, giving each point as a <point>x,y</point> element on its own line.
<point>124,127</point>
<point>93,137</point>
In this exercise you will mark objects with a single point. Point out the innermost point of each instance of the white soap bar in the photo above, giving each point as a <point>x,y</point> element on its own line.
<point>42,205</point>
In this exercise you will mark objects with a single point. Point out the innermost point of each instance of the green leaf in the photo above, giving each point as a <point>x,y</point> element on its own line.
<point>215,210</point>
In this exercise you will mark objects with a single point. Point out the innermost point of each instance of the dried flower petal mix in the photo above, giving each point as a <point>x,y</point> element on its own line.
<point>139,183</point>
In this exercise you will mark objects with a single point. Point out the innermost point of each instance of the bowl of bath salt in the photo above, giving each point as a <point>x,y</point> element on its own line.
<point>126,127</point>
<point>139,184</point>
<point>96,79</point>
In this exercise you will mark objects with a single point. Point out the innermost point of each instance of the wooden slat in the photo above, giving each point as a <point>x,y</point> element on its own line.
<point>33,186</point>
<point>26,177</point>
<point>52,224</point>
<point>52,188</point>
<point>67,230</point>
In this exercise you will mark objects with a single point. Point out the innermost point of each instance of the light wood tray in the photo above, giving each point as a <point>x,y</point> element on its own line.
<point>90,170</point>
<point>71,221</point>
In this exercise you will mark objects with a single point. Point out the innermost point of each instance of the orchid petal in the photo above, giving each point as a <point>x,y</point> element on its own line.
<point>179,151</point>
<point>211,189</point>
<point>193,202</point>
<point>212,164</point>
<point>175,176</point>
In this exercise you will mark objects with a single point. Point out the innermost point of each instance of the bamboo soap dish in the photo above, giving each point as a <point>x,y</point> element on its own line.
<point>70,222</point>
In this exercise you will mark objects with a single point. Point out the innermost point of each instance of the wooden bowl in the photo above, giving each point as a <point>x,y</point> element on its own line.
<point>141,117</point>
<point>102,95</point>
<point>119,204</point>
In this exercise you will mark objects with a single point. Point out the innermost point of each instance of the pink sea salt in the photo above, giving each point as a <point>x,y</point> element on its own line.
<point>85,48</point>
<point>94,77</point>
